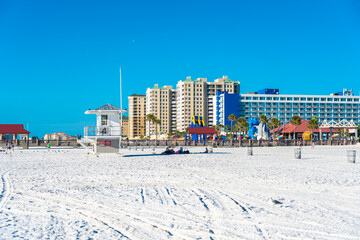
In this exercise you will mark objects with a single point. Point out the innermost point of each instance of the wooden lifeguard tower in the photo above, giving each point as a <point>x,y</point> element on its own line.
<point>105,137</point>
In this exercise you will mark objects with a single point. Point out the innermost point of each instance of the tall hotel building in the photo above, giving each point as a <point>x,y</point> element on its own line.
<point>161,102</point>
<point>215,101</point>
<point>137,115</point>
<point>338,106</point>
<point>195,98</point>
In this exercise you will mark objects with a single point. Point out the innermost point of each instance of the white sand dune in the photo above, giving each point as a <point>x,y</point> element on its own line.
<point>68,194</point>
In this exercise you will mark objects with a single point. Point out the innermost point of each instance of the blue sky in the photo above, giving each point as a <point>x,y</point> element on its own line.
<point>60,58</point>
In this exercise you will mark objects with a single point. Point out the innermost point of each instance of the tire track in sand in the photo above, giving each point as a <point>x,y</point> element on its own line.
<point>7,188</point>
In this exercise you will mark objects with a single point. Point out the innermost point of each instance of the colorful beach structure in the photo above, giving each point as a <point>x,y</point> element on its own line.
<point>105,137</point>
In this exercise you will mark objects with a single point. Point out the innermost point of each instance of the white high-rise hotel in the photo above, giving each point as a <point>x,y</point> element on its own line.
<point>339,106</point>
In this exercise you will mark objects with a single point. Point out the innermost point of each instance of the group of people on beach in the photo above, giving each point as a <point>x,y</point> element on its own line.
<point>169,150</point>
<point>9,146</point>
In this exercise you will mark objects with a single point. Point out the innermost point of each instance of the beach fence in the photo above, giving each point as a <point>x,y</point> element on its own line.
<point>173,143</point>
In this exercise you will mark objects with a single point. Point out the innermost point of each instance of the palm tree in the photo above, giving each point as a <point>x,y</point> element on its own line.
<point>247,126</point>
<point>241,122</point>
<point>274,123</point>
<point>170,135</point>
<point>295,121</point>
<point>227,129</point>
<point>263,119</point>
<point>150,118</point>
<point>344,133</point>
<point>218,128</point>
<point>232,118</point>
<point>313,124</point>
<point>157,123</point>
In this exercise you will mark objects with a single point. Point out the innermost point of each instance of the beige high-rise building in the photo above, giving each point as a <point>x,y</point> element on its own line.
<point>125,126</point>
<point>161,102</point>
<point>194,98</point>
<point>137,116</point>
<point>175,107</point>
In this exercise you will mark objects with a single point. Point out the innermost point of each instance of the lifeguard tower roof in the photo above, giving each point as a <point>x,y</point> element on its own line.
<point>106,108</point>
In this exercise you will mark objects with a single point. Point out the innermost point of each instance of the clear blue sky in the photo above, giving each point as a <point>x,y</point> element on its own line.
<point>60,58</point>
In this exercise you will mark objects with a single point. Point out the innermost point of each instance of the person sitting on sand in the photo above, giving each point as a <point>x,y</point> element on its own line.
<point>206,150</point>
<point>180,151</point>
<point>186,151</point>
<point>168,151</point>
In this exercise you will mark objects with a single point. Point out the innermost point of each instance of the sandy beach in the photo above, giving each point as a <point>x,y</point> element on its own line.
<point>69,194</point>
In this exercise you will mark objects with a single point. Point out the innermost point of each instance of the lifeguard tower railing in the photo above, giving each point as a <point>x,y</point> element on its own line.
<point>101,131</point>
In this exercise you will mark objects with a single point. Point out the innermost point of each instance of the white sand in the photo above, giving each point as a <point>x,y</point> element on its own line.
<point>67,194</point>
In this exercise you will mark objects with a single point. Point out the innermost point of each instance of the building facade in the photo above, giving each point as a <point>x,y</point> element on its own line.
<point>13,131</point>
<point>336,107</point>
<point>225,104</point>
<point>125,126</point>
<point>59,136</point>
<point>161,102</point>
<point>137,116</point>
<point>195,98</point>
<point>215,101</point>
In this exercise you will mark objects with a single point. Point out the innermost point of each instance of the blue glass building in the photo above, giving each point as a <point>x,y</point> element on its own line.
<point>225,104</point>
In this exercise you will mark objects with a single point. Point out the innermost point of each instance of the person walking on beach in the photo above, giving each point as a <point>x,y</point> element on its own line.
<point>13,147</point>
<point>8,146</point>
<point>48,146</point>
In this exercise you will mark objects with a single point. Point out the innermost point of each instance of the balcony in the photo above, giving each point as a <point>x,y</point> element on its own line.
<point>101,131</point>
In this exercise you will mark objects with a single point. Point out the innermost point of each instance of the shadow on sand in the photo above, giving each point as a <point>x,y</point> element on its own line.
<point>159,154</point>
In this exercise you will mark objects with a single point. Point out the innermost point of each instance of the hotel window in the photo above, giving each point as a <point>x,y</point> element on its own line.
<point>104,119</point>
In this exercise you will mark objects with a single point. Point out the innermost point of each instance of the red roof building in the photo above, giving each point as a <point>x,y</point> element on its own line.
<point>12,129</point>
<point>289,129</point>
<point>303,127</point>
<point>201,130</point>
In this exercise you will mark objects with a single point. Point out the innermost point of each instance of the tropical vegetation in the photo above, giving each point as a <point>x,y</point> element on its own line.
<point>313,124</point>
<point>295,121</point>
<point>274,123</point>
